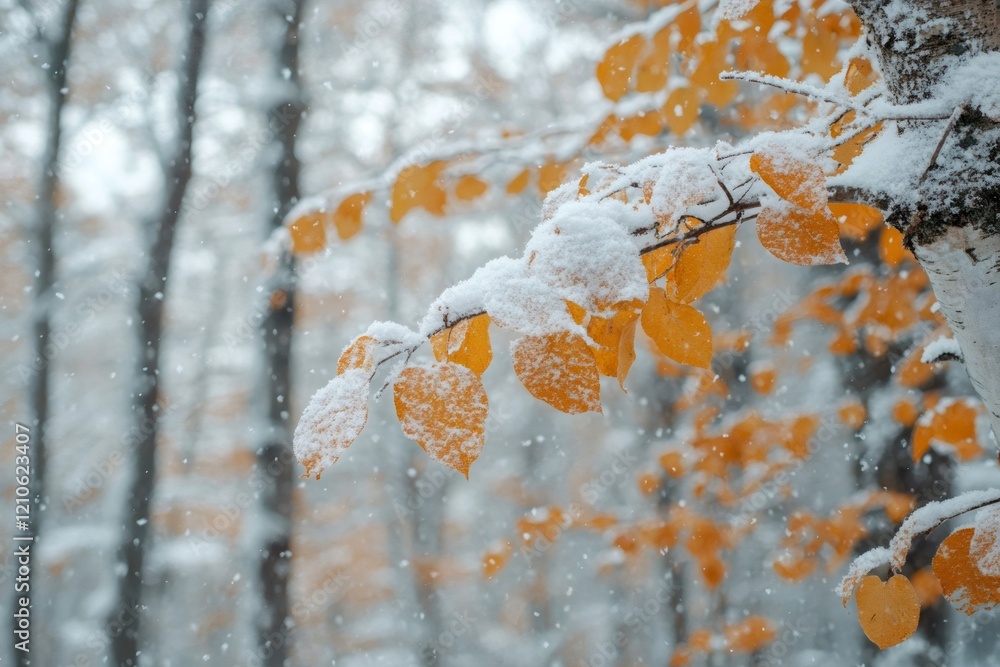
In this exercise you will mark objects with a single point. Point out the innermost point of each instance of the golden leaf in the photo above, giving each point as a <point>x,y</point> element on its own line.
<point>888,611</point>
<point>443,407</point>
<point>560,370</point>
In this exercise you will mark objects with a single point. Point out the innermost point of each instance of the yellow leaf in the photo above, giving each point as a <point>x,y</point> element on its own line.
<point>678,330</point>
<point>952,424</point>
<point>308,234</point>
<point>334,418</point>
<point>560,370</point>
<point>966,586</point>
<point>418,186</point>
<point>550,177</point>
<point>860,75</point>
<point>647,123</point>
<point>519,182</point>
<point>799,236</point>
<point>615,70</point>
<point>702,264</point>
<point>607,333</point>
<point>888,611</point>
<point>348,216</point>
<point>467,343</point>
<point>856,220</point>
<point>357,355</point>
<point>658,262</point>
<point>443,407</point>
<point>653,70</point>
<point>626,351</point>
<point>890,247</point>
<point>469,188</point>
<point>680,112</point>
<point>751,634</point>
<point>793,179</point>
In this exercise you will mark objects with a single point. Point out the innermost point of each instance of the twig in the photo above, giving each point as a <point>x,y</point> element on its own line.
<point>959,110</point>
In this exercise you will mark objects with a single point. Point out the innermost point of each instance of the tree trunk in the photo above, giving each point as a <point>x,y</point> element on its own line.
<point>954,230</point>
<point>123,622</point>
<point>275,460</point>
<point>57,49</point>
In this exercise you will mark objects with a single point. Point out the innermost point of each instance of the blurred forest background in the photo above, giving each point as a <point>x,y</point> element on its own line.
<point>157,324</point>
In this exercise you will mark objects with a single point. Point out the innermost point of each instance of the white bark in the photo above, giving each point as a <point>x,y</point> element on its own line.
<point>964,268</point>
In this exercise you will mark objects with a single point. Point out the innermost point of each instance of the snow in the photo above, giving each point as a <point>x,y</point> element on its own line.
<point>921,521</point>
<point>941,347</point>
<point>335,416</point>
<point>985,546</point>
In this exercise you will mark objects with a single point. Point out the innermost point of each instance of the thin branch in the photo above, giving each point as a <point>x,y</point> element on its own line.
<point>959,110</point>
<point>788,86</point>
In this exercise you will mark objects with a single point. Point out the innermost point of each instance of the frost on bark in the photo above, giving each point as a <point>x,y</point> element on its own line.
<point>951,220</point>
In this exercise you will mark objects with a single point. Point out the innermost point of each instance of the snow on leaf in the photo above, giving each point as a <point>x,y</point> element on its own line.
<point>799,236</point>
<point>702,265</point>
<point>357,355</point>
<point>888,611</point>
<point>794,178</point>
<point>443,407</point>
<point>965,585</point>
<point>587,257</point>
<point>334,418</point>
<point>985,545</point>
<point>560,370</point>
<point>467,343</point>
<point>678,330</point>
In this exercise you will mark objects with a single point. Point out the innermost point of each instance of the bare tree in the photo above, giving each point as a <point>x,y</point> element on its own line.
<point>123,622</point>
<point>274,457</point>
<point>55,45</point>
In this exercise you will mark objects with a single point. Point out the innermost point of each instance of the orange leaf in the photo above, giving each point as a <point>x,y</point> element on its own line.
<point>702,264</point>
<point>418,186</point>
<point>856,220</point>
<point>348,216</point>
<point>308,234</point>
<point>853,414</point>
<point>860,75</point>
<point>469,187</point>
<point>560,370</point>
<point>626,351</point>
<point>657,262</point>
<point>762,378</point>
<point>891,248</point>
<point>799,236</point>
<point>519,182</point>
<point>357,355</point>
<point>615,70</point>
<point>607,333</point>
<point>467,343</point>
<point>966,586</point>
<point>793,179</point>
<point>680,112</point>
<point>951,423</point>
<point>672,463</point>
<point>334,418</point>
<point>550,177</point>
<point>751,634</point>
<point>678,330</point>
<point>888,611</point>
<point>443,407</point>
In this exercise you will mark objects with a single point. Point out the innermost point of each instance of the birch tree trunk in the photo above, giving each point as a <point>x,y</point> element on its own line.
<point>124,620</point>
<point>275,461</point>
<point>954,229</point>
<point>56,54</point>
